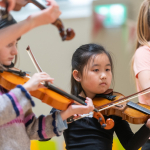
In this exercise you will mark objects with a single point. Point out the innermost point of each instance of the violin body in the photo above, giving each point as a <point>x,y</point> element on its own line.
<point>9,81</point>
<point>122,110</point>
<point>135,116</point>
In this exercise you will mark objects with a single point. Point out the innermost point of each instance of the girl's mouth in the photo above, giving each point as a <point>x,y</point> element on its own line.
<point>10,59</point>
<point>103,83</point>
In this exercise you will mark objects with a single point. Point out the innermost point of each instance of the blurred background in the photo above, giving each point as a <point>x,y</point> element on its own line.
<point>111,23</point>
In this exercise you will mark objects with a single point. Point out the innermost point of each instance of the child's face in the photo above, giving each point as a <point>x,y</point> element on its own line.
<point>8,52</point>
<point>97,75</point>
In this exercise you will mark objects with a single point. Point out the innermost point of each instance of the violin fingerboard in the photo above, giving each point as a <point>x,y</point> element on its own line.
<point>138,107</point>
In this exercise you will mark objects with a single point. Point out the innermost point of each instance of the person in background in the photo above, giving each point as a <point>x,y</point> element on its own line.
<point>141,58</point>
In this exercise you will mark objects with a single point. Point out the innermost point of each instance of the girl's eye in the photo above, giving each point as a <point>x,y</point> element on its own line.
<point>9,45</point>
<point>96,70</point>
<point>107,69</point>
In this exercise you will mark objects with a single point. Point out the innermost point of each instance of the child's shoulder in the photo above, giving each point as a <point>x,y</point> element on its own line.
<point>142,50</point>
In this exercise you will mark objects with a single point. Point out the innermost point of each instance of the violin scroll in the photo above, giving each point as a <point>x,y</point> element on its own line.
<point>69,32</point>
<point>108,124</point>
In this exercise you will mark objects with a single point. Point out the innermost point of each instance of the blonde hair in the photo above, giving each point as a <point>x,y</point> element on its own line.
<point>143,26</point>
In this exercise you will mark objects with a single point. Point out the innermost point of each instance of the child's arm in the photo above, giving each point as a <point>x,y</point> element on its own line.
<point>45,127</point>
<point>128,139</point>
<point>144,81</point>
<point>142,70</point>
<point>45,16</point>
<point>14,104</point>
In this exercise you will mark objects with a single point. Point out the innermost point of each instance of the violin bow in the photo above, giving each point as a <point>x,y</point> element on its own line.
<point>50,86</point>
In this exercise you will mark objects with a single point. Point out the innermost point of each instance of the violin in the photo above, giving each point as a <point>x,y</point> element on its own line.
<point>118,106</point>
<point>129,111</point>
<point>51,95</point>
<point>69,34</point>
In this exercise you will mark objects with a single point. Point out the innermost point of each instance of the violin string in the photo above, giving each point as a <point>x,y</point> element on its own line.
<point>113,105</point>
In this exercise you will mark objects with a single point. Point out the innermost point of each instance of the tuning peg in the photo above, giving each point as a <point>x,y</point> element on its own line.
<point>103,125</point>
<point>99,120</point>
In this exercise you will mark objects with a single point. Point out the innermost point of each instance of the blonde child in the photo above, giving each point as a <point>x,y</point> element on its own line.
<point>141,58</point>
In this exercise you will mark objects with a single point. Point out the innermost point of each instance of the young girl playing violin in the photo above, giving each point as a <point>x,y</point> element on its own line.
<point>141,58</point>
<point>92,73</point>
<point>18,124</point>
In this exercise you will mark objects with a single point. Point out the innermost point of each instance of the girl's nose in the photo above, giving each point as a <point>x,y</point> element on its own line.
<point>103,76</point>
<point>14,50</point>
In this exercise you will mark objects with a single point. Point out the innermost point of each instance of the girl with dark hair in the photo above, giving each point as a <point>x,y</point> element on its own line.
<point>18,124</point>
<point>92,72</point>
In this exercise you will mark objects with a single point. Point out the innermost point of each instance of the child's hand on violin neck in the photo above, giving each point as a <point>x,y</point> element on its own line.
<point>82,109</point>
<point>35,82</point>
<point>48,15</point>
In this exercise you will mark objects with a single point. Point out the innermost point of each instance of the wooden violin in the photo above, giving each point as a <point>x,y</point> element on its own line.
<point>69,34</point>
<point>118,106</point>
<point>51,95</point>
<point>129,111</point>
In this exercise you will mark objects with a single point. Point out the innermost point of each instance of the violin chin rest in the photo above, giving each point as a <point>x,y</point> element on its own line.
<point>108,91</point>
